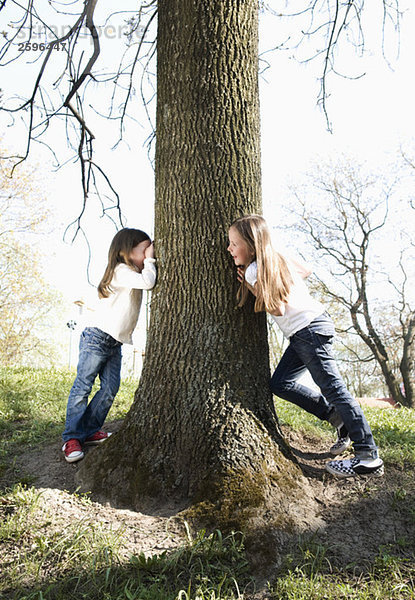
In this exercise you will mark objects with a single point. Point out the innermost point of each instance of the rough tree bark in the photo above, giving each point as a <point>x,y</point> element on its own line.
<point>407,365</point>
<point>202,429</point>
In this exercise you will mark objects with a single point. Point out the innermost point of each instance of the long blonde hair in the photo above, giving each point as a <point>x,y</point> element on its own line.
<point>274,279</point>
<point>120,249</point>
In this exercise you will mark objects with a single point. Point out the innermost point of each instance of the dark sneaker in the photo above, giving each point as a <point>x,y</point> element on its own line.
<point>356,466</point>
<point>340,446</point>
<point>343,441</point>
<point>97,438</point>
<point>72,450</point>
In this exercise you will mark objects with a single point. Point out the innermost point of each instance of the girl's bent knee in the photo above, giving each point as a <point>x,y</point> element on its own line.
<point>279,388</point>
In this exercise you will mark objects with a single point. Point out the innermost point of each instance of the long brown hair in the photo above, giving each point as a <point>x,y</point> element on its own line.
<point>120,249</point>
<point>274,279</point>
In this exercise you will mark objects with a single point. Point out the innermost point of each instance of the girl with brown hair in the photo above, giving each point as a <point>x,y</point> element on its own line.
<point>130,270</point>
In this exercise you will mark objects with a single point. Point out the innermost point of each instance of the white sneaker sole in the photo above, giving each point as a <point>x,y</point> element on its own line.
<point>366,472</point>
<point>73,456</point>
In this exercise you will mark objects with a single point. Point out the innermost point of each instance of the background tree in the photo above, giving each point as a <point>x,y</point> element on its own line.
<point>356,362</point>
<point>346,215</point>
<point>359,368</point>
<point>29,308</point>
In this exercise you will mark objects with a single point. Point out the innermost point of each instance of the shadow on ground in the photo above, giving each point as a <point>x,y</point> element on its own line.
<point>364,519</point>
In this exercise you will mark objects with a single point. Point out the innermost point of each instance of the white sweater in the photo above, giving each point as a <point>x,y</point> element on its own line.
<point>300,309</point>
<point>118,314</point>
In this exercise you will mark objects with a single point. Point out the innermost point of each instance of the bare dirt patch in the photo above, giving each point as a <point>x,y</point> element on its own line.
<point>45,468</point>
<point>364,516</point>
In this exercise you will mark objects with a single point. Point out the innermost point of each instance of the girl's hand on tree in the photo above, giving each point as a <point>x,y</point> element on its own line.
<point>149,252</point>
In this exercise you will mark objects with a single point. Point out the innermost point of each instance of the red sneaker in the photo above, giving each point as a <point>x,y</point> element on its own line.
<point>97,438</point>
<point>72,450</point>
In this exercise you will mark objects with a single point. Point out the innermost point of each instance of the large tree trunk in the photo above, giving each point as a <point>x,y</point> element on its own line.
<point>203,426</point>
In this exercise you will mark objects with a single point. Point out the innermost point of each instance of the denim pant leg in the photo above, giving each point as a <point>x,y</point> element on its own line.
<point>316,351</point>
<point>284,385</point>
<point>97,410</point>
<point>96,349</point>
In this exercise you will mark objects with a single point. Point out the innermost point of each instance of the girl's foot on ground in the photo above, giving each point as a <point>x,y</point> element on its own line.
<point>97,438</point>
<point>355,466</point>
<point>72,450</point>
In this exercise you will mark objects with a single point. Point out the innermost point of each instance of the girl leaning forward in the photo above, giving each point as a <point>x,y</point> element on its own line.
<point>278,284</point>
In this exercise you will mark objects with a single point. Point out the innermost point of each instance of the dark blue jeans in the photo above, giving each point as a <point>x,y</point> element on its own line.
<point>311,349</point>
<point>99,354</point>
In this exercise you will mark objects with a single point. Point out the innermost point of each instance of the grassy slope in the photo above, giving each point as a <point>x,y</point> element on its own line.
<point>82,561</point>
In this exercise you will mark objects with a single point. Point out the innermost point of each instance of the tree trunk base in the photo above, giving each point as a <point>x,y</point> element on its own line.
<point>269,502</point>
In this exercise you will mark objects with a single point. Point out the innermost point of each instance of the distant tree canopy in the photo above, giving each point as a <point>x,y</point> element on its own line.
<point>27,321</point>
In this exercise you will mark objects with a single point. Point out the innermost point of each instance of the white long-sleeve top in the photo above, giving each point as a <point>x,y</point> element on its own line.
<point>118,314</point>
<point>301,308</point>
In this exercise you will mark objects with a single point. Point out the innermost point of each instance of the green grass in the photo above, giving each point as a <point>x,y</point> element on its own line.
<point>82,559</point>
<point>310,576</point>
<point>341,586</point>
<point>394,430</point>
<point>33,406</point>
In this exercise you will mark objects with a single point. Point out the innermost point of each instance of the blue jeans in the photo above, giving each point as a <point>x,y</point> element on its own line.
<point>99,354</point>
<point>311,349</point>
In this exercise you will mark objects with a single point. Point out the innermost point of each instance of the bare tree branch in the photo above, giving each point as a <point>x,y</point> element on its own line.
<point>344,232</point>
<point>78,73</point>
<point>330,25</point>
<point>89,14</point>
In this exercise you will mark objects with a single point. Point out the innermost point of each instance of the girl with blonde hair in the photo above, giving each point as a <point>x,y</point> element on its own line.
<point>131,268</point>
<point>277,282</point>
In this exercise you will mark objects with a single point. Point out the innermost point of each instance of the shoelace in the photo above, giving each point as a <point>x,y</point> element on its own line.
<point>72,446</point>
